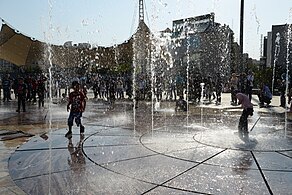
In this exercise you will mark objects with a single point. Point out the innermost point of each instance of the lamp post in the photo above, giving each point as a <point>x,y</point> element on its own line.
<point>241,34</point>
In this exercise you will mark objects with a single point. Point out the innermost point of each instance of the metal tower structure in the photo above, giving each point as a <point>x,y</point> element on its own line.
<point>142,46</point>
<point>141,10</point>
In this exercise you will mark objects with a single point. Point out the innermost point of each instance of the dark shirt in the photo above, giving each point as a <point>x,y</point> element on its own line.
<point>77,101</point>
<point>6,84</point>
<point>21,89</point>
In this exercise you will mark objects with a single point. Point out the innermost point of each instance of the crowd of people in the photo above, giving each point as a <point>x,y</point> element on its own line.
<point>170,89</point>
<point>244,83</point>
<point>107,87</point>
<point>25,89</point>
<point>110,88</point>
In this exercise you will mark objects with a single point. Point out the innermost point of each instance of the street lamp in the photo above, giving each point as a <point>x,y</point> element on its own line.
<point>241,33</point>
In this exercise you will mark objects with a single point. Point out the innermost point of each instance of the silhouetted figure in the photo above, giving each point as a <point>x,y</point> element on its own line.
<point>41,91</point>
<point>64,99</point>
<point>265,96</point>
<point>282,90</point>
<point>247,111</point>
<point>218,89</point>
<point>233,88</point>
<point>6,84</point>
<point>250,79</point>
<point>181,104</point>
<point>112,90</point>
<point>22,93</point>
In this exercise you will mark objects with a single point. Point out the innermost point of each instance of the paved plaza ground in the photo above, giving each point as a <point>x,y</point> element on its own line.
<point>148,150</point>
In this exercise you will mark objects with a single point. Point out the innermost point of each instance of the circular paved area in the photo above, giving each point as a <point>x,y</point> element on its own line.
<point>111,158</point>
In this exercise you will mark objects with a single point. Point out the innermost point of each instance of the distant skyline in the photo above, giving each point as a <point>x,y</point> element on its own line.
<point>109,22</point>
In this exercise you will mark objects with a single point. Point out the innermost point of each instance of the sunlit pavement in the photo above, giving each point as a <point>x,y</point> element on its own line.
<point>149,150</point>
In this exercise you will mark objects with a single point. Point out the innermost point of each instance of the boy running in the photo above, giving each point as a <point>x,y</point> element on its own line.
<point>76,106</point>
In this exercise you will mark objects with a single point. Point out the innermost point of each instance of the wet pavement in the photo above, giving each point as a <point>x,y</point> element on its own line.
<point>145,151</point>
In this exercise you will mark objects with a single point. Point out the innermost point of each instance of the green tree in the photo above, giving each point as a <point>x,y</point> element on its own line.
<point>264,76</point>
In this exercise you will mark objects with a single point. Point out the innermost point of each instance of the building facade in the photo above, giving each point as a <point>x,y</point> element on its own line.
<point>202,45</point>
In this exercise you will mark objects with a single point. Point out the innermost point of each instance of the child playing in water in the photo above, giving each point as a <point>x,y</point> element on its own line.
<point>64,99</point>
<point>181,104</point>
<point>76,106</point>
<point>247,111</point>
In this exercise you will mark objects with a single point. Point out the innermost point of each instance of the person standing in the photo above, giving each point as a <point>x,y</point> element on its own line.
<point>22,93</point>
<point>158,88</point>
<point>233,88</point>
<point>250,79</point>
<point>41,90</point>
<point>14,87</point>
<point>282,90</point>
<point>28,82</point>
<point>112,92</point>
<point>76,106</point>
<point>247,106</point>
<point>173,89</point>
<point>120,88</point>
<point>33,90</point>
<point>6,86</point>
<point>242,83</point>
<point>218,89</point>
<point>179,85</point>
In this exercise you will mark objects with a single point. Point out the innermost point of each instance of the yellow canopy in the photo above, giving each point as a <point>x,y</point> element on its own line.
<point>16,47</point>
<point>23,50</point>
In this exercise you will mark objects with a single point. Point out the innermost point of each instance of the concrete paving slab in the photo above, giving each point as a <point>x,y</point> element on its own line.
<point>220,180</point>
<point>153,169</point>
<point>103,155</point>
<point>163,152</point>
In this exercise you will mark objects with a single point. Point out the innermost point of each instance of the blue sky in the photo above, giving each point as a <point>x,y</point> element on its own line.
<point>108,22</point>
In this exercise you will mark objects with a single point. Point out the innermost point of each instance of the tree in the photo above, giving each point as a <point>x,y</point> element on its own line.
<point>264,76</point>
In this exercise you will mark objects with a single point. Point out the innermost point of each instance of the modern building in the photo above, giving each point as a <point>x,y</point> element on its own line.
<point>267,53</point>
<point>278,49</point>
<point>203,46</point>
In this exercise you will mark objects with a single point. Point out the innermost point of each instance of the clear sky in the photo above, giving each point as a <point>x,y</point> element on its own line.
<point>108,22</point>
